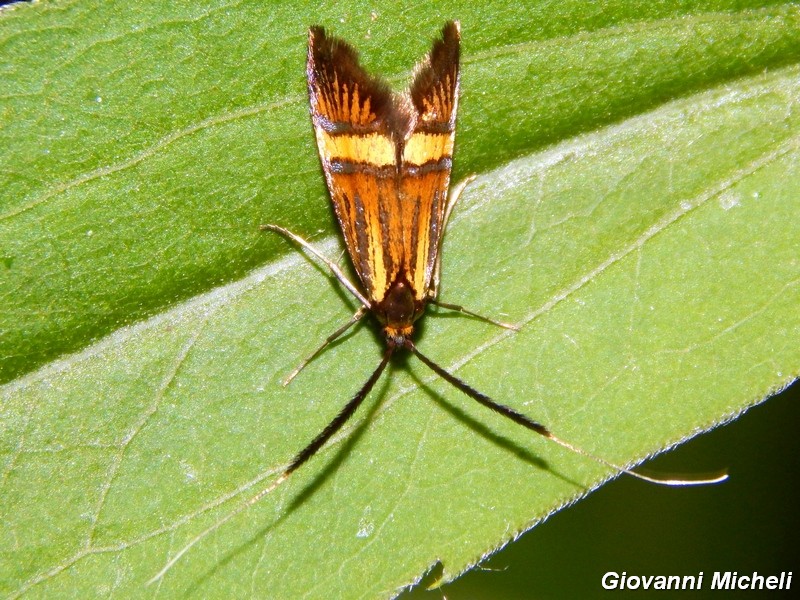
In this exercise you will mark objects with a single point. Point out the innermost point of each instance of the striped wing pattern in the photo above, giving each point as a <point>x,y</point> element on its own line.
<point>386,158</point>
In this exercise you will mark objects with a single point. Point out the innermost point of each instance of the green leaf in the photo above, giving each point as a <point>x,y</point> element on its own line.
<point>636,211</point>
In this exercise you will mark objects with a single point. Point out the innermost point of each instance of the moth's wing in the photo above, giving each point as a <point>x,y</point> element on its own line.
<point>353,117</point>
<point>427,156</point>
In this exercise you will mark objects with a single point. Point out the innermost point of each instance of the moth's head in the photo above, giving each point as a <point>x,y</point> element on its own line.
<point>398,310</point>
<point>397,336</point>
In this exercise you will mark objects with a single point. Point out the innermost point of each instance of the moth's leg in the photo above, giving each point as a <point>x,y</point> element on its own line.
<point>454,197</point>
<point>437,269</point>
<point>455,194</point>
<point>332,266</point>
<point>463,310</point>
<point>328,340</point>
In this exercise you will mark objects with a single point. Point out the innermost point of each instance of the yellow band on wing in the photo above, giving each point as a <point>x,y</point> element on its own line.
<point>422,148</point>
<point>374,149</point>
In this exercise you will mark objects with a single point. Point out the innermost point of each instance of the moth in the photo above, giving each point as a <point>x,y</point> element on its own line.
<point>387,160</point>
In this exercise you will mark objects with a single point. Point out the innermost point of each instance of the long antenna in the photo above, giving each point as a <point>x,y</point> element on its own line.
<point>529,423</point>
<point>302,456</point>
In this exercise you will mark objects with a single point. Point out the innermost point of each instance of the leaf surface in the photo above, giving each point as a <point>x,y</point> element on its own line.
<point>646,244</point>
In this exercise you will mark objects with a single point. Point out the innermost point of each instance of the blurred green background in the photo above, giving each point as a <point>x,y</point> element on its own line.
<point>746,524</point>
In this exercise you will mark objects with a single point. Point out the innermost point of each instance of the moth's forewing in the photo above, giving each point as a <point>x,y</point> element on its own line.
<point>386,158</point>
<point>428,154</point>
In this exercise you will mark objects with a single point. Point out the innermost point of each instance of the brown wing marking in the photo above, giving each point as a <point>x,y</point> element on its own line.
<point>386,158</point>
<point>427,156</point>
<point>352,116</point>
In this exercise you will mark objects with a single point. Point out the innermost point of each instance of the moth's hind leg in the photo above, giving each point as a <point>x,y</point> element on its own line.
<point>455,194</point>
<point>461,309</point>
<point>359,314</point>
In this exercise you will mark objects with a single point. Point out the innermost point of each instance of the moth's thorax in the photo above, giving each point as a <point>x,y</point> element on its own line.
<point>398,310</point>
